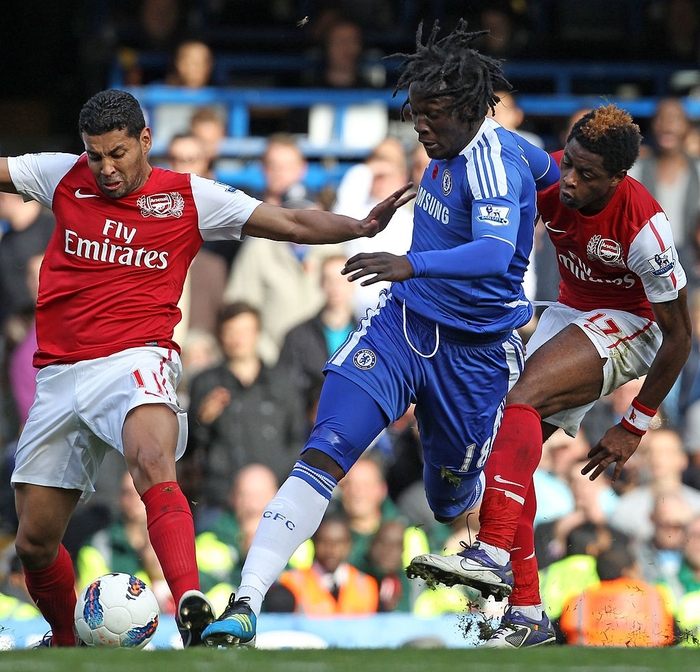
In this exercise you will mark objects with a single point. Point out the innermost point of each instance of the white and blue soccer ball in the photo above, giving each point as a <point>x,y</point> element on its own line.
<point>117,610</point>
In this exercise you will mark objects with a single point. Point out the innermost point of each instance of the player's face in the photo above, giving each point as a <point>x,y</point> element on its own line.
<point>118,161</point>
<point>440,130</point>
<point>585,185</point>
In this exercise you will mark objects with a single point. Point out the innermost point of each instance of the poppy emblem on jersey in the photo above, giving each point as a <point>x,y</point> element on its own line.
<point>662,264</point>
<point>446,182</point>
<point>364,359</point>
<point>162,205</point>
<point>494,214</point>
<point>435,171</point>
<point>606,250</point>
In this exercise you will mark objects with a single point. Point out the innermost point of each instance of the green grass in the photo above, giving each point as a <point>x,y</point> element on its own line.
<point>549,659</point>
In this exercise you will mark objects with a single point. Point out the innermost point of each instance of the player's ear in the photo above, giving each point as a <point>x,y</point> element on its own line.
<point>618,177</point>
<point>146,140</point>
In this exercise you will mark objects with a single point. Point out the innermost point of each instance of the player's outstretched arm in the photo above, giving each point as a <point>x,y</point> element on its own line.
<point>318,226</point>
<point>619,444</point>
<point>5,180</point>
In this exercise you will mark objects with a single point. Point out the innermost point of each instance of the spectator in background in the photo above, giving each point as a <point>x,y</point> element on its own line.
<point>242,411</point>
<point>341,65</point>
<point>281,279</point>
<point>663,463</point>
<point>622,610</point>
<point>507,33</point>
<point>188,154</point>
<point>551,478</point>
<point>364,500</point>
<point>209,125</point>
<point>384,562</point>
<point>193,65</point>
<point>670,175</point>
<point>20,343</point>
<point>192,68</point>
<point>159,27</point>
<point>332,585</point>
<point>199,351</point>
<point>571,575</point>
<point>593,502</point>
<point>26,231</point>
<point>308,346</point>
<point>283,165</point>
<point>660,557</point>
<point>386,167</point>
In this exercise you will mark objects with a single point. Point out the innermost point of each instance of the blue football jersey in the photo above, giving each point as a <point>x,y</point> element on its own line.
<point>487,192</point>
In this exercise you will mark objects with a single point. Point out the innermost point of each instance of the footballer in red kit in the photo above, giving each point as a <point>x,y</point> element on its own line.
<point>132,254</point>
<point>109,286</point>
<point>623,256</point>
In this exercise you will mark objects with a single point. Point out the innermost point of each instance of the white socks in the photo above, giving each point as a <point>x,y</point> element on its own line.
<point>289,520</point>
<point>499,555</point>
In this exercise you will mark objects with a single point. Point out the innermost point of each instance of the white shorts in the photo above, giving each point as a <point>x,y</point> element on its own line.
<point>628,344</point>
<point>79,412</point>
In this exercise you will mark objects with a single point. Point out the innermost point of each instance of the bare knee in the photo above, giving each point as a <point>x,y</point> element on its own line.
<point>35,551</point>
<point>319,460</point>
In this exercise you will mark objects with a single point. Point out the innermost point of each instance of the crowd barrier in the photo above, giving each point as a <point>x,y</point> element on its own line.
<point>285,631</point>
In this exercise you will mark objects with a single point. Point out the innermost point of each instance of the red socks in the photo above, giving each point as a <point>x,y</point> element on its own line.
<point>171,531</point>
<point>53,591</point>
<point>526,589</point>
<point>509,469</point>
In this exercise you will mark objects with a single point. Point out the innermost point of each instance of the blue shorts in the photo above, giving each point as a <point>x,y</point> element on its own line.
<point>458,382</point>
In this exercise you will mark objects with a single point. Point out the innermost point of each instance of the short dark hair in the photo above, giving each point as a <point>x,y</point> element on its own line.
<point>451,68</point>
<point>611,564</point>
<point>612,134</point>
<point>230,310</point>
<point>112,110</point>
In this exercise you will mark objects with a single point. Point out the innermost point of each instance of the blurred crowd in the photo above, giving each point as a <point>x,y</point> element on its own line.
<point>259,320</point>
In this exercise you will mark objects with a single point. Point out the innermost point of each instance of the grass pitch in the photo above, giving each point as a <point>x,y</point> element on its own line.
<point>547,659</point>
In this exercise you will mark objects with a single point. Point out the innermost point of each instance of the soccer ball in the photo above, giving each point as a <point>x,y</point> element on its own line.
<point>117,610</point>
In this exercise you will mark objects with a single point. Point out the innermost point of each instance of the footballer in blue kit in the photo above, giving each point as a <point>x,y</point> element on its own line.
<point>443,337</point>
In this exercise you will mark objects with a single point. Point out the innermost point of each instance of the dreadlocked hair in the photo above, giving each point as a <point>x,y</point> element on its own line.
<point>451,68</point>
<point>612,134</point>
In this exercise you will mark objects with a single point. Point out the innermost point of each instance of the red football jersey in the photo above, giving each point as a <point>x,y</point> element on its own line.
<point>622,258</point>
<point>114,270</point>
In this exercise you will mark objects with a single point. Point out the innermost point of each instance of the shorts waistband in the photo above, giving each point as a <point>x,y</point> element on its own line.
<point>457,335</point>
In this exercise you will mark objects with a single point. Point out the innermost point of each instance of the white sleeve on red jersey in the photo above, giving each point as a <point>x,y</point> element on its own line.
<point>223,209</point>
<point>36,176</point>
<point>653,257</point>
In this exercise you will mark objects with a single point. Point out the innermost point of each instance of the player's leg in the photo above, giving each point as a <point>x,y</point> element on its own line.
<point>150,436</point>
<point>457,437</point>
<point>43,514</point>
<point>563,372</point>
<point>348,420</point>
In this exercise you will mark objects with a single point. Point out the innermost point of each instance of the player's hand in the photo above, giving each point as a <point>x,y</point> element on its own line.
<point>380,265</point>
<point>380,215</point>
<point>618,445</point>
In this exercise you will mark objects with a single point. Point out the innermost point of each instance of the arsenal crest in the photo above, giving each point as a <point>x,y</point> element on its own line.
<point>606,250</point>
<point>162,205</point>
